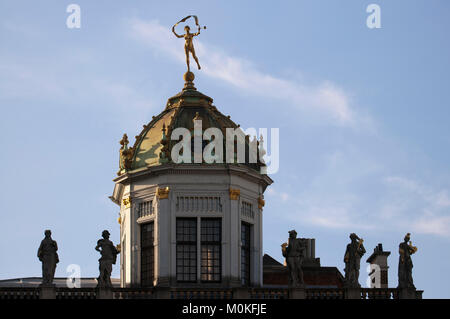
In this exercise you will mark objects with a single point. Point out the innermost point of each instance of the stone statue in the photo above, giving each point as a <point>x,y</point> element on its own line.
<point>126,155</point>
<point>109,255</point>
<point>189,45</point>
<point>352,258</point>
<point>405,265</point>
<point>47,254</point>
<point>294,252</point>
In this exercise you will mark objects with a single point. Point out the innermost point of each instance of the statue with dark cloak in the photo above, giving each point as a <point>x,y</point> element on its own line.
<point>294,251</point>
<point>47,254</point>
<point>405,264</point>
<point>352,259</point>
<point>108,257</point>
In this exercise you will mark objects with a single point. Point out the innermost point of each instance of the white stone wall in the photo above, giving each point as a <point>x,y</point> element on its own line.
<point>191,182</point>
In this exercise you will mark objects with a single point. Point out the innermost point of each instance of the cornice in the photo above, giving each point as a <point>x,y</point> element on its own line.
<point>186,169</point>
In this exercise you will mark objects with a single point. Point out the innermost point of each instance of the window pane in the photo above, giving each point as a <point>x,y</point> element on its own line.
<point>211,237</point>
<point>147,254</point>
<point>186,249</point>
<point>245,254</point>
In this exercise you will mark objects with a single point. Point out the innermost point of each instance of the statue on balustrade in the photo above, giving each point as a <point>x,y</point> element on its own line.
<point>352,259</point>
<point>294,251</point>
<point>405,265</point>
<point>47,254</point>
<point>108,258</point>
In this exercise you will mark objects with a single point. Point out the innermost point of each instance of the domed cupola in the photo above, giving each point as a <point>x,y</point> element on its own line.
<point>194,222</point>
<point>153,145</point>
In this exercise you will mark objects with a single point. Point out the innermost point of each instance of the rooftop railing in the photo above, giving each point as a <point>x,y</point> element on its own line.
<point>214,293</point>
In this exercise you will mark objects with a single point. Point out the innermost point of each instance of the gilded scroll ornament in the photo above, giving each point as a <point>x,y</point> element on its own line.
<point>163,193</point>
<point>234,194</point>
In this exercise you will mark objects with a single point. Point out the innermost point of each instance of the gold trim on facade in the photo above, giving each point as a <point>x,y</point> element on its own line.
<point>261,202</point>
<point>234,194</point>
<point>163,193</point>
<point>126,202</point>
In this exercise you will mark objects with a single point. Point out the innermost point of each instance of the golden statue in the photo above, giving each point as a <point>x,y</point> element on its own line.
<point>189,45</point>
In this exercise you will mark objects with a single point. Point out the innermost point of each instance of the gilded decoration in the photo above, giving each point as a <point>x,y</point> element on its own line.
<point>261,202</point>
<point>163,193</point>
<point>126,202</point>
<point>234,194</point>
<point>126,155</point>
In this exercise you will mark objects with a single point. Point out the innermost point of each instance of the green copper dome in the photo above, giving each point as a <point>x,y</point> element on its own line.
<point>153,145</point>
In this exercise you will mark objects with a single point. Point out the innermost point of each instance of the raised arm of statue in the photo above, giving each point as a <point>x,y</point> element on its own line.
<point>198,32</point>
<point>362,250</point>
<point>176,34</point>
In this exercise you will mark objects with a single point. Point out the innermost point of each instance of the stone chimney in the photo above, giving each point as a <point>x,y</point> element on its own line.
<point>378,267</point>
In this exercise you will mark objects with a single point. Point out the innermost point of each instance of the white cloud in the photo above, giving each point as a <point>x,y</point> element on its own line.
<point>420,206</point>
<point>435,225</point>
<point>283,196</point>
<point>329,215</point>
<point>437,199</point>
<point>333,199</point>
<point>315,209</point>
<point>41,82</point>
<point>326,97</point>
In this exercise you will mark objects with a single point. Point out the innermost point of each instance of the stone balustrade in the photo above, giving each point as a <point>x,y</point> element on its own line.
<point>214,293</point>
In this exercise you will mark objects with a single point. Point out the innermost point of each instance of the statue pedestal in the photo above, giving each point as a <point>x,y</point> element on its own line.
<point>47,292</point>
<point>353,293</point>
<point>297,293</point>
<point>104,293</point>
<point>407,293</point>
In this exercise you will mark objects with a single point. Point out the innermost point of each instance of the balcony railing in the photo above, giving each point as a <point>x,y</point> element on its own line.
<point>325,293</point>
<point>76,293</point>
<point>19,293</point>
<point>133,293</point>
<point>268,293</point>
<point>211,293</point>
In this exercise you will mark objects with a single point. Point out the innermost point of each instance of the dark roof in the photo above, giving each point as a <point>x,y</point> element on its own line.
<point>269,261</point>
<point>276,274</point>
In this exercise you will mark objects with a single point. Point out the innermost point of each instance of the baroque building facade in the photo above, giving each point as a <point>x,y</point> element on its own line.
<point>193,229</point>
<point>189,224</point>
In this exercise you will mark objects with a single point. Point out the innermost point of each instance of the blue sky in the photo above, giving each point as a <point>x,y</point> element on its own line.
<point>363,117</point>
